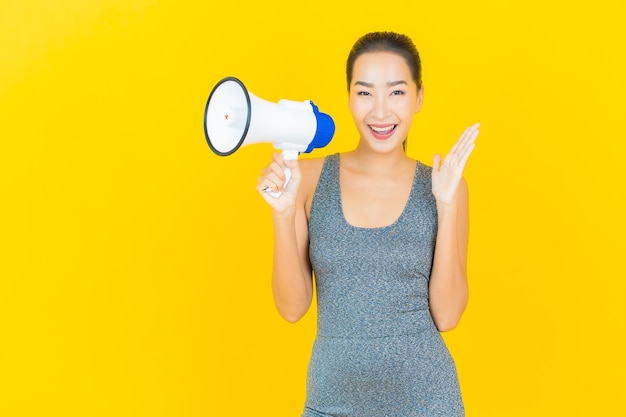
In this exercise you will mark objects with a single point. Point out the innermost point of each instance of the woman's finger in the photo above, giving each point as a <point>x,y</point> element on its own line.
<point>264,184</point>
<point>467,143</point>
<point>277,170</point>
<point>276,180</point>
<point>436,162</point>
<point>467,139</point>
<point>467,154</point>
<point>469,135</point>
<point>467,148</point>
<point>456,145</point>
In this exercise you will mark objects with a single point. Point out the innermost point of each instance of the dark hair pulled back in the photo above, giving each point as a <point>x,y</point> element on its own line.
<point>386,42</point>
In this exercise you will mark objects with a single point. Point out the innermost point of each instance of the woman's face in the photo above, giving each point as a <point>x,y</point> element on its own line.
<point>383,99</point>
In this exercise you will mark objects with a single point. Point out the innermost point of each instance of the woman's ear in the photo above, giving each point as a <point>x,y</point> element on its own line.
<point>420,99</point>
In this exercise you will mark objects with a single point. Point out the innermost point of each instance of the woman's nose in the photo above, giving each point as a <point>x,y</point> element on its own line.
<point>381,108</point>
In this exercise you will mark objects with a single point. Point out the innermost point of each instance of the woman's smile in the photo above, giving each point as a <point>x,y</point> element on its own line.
<point>382,132</point>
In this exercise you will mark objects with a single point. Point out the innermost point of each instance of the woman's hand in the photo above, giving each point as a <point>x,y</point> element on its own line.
<point>273,179</point>
<point>446,176</point>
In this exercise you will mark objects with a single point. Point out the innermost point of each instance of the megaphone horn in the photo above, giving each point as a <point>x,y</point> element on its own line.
<point>227,116</point>
<point>234,117</point>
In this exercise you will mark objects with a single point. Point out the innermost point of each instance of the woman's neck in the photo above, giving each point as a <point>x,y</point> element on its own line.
<point>367,161</point>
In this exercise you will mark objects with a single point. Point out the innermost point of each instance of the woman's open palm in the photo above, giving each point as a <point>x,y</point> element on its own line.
<point>447,175</point>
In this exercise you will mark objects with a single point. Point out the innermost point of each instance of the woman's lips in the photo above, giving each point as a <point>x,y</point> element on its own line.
<point>382,132</point>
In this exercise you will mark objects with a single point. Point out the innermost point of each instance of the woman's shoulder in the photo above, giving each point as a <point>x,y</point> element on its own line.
<point>423,169</point>
<point>311,169</point>
<point>307,163</point>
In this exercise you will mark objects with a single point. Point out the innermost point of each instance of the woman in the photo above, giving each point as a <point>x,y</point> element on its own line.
<point>386,237</point>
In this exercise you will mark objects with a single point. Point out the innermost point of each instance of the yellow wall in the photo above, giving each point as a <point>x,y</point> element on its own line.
<point>134,272</point>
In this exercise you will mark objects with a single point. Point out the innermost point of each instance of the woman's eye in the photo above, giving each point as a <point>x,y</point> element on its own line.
<point>363,93</point>
<point>397,93</point>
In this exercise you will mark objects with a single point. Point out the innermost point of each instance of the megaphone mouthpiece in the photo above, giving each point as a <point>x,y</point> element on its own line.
<point>324,131</point>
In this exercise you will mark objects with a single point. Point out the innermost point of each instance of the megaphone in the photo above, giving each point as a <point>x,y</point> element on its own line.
<point>234,117</point>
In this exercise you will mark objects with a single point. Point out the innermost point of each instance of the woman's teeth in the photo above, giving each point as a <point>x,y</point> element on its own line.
<point>383,130</point>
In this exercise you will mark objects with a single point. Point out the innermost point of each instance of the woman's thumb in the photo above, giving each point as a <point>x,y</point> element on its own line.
<point>436,161</point>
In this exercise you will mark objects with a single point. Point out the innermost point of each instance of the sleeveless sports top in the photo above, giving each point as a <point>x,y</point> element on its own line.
<point>372,282</point>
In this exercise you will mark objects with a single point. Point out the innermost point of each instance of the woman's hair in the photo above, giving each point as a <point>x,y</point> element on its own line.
<point>386,42</point>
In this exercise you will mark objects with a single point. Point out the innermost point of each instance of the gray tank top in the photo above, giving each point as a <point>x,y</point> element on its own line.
<point>372,282</point>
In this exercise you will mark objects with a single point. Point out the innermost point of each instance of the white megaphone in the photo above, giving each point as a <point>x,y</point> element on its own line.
<point>234,117</point>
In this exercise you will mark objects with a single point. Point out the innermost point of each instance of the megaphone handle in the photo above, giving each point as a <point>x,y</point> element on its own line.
<point>288,154</point>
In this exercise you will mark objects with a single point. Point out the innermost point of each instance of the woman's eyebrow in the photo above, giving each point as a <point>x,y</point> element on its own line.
<point>390,83</point>
<point>364,84</point>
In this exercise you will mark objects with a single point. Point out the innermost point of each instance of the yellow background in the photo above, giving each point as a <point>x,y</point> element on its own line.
<point>134,272</point>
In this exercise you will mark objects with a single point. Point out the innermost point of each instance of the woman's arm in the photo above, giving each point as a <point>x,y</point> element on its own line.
<point>292,284</point>
<point>448,289</point>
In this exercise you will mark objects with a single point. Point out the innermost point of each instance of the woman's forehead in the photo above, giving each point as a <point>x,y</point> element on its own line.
<point>376,67</point>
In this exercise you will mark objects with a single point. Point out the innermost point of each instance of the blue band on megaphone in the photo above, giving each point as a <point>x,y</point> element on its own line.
<point>324,131</point>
